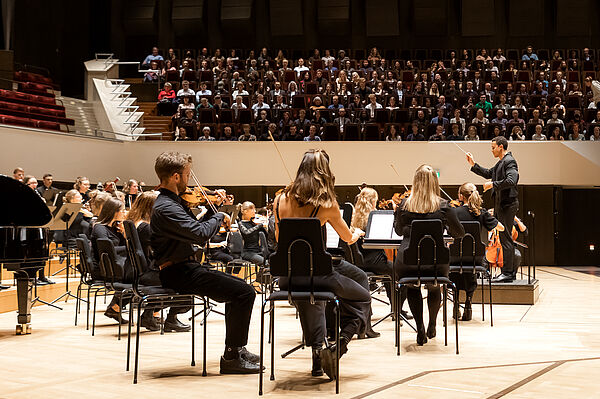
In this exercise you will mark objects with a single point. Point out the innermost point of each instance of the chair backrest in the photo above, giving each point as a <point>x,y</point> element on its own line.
<point>300,249</point>
<point>264,246</point>
<point>426,246</point>
<point>236,244</point>
<point>108,262</point>
<point>357,256</point>
<point>85,254</point>
<point>135,252</point>
<point>469,250</point>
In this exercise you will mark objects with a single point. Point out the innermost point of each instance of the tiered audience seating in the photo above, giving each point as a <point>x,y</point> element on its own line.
<point>418,71</point>
<point>33,104</point>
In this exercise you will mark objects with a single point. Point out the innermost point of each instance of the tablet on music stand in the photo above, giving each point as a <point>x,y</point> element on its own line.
<point>333,243</point>
<point>380,229</point>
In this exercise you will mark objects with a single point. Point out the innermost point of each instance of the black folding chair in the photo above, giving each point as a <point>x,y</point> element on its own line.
<point>153,298</point>
<point>86,282</point>
<point>300,253</point>
<point>426,248</point>
<point>466,255</point>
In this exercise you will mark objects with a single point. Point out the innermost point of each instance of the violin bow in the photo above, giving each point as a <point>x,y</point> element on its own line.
<point>398,174</point>
<point>212,206</point>
<point>280,156</point>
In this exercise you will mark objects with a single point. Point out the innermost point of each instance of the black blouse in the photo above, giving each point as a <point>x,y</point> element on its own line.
<point>250,231</point>
<point>403,219</point>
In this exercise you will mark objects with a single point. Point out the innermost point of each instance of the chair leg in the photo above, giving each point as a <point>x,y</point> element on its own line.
<point>398,326</point>
<point>445,316</point>
<point>491,314</point>
<point>193,333</point>
<point>120,315</point>
<point>262,348</point>
<point>482,300</point>
<point>337,346</point>
<point>87,320</point>
<point>272,315</point>
<point>204,340</point>
<point>455,290</point>
<point>94,315</point>
<point>129,334</point>
<point>137,342</point>
<point>77,302</point>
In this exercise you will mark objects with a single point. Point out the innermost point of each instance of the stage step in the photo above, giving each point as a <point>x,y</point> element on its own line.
<point>519,292</point>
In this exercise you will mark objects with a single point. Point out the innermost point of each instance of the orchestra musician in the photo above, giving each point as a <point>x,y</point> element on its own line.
<point>312,194</point>
<point>83,220</point>
<point>174,231</point>
<point>424,202</point>
<point>471,210</point>
<point>46,190</point>
<point>131,191</point>
<point>218,245</point>
<point>32,183</point>
<point>110,226</point>
<point>504,177</point>
<point>82,184</point>
<point>250,227</point>
<point>140,214</point>
<point>19,174</point>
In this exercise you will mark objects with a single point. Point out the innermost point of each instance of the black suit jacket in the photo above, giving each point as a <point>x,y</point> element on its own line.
<point>504,176</point>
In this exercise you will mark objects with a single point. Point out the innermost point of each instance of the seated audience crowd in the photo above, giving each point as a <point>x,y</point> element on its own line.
<point>466,95</point>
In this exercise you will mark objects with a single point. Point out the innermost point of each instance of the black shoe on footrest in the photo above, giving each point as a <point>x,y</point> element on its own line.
<point>176,326</point>
<point>503,278</point>
<point>238,366</point>
<point>113,314</point>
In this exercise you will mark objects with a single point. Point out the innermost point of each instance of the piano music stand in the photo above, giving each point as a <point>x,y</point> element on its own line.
<point>61,221</point>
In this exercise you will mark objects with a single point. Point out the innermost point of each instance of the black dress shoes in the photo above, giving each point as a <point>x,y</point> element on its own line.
<point>503,278</point>
<point>369,333</point>
<point>46,280</point>
<point>468,314</point>
<point>150,322</point>
<point>421,337</point>
<point>431,330</point>
<point>238,366</point>
<point>328,360</point>
<point>176,326</point>
<point>39,281</point>
<point>249,356</point>
<point>4,287</point>
<point>113,314</point>
<point>317,369</point>
<point>406,315</point>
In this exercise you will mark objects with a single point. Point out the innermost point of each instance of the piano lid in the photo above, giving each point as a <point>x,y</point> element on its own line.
<point>20,205</point>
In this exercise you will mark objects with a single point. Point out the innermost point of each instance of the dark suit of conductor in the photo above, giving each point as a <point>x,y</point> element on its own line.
<point>504,176</point>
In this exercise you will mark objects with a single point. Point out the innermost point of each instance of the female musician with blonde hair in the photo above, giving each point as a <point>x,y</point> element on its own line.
<point>423,203</point>
<point>140,214</point>
<point>312,194</point>
<point>471,210</point>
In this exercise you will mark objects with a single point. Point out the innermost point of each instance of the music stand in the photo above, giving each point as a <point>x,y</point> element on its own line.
<point>60,222</point>
<point>380,234</point>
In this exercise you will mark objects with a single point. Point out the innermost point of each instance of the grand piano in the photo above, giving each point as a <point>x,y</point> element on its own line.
<point>23,242</point>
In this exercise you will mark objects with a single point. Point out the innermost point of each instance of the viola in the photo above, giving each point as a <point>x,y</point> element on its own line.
<point>396,199</point>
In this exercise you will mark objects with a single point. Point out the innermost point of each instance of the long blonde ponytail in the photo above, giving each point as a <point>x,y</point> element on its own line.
<point>472,198</point>
<point>363,207</point>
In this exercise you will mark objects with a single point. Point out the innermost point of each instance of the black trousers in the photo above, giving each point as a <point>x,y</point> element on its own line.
<point>355,302</point>
<point>465,281</point>
<point>506,215</point>
<point>192,278</point>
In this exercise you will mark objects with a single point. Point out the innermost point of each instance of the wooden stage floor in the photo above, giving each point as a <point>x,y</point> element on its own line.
<point>549,350</point>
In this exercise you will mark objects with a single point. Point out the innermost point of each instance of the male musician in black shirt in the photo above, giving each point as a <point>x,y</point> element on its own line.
<point>504,178</point>
<point>46,190</point>
<point>174,230</point>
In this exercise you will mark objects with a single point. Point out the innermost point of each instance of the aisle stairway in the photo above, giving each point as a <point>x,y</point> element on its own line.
<point>154,123</point>
<point>82,113</point>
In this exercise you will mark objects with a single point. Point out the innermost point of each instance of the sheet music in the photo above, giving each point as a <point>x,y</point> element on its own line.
<point>333,239</point>
<point>382,226</point>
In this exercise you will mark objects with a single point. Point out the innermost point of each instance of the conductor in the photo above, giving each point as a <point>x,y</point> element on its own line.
<point>504,178</point>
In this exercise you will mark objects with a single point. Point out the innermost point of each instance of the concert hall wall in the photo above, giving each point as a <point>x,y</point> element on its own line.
<point>130,28</point>
<point>563,224</point>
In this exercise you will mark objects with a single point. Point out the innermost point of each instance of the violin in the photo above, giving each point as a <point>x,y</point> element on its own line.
<point>396,199</point>
<point>260,219</point>
<point>200,195</point>
<point>455,203</point>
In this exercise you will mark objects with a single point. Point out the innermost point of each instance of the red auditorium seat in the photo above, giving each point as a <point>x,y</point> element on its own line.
<point>48,125</point>
<point>14,120</point>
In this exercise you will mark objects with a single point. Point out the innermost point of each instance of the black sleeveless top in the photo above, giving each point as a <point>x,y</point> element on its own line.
<point>312,215</point>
